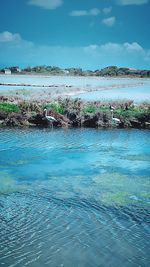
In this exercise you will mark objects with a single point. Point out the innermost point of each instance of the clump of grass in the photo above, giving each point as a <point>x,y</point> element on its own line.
<point>30,106</point>
<point>131,111</point>
<point>57,107</point>
<point>89,109</point>
<point>8,107</point>
<point>94,108</point>
<point>103,108</point>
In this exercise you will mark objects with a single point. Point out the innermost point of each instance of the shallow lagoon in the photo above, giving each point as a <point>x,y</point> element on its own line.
<point>137,93</point>
<point>68,80</point>
<point>75,197</point>
<point>136,89</point>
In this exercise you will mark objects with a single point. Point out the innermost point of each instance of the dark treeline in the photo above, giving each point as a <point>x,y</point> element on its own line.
<point>111,71</point>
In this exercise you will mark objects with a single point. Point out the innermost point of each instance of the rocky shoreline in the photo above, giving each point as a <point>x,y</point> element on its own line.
<point>73,113</point>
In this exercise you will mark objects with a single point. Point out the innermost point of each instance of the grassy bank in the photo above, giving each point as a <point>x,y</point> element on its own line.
<point>75,113</point>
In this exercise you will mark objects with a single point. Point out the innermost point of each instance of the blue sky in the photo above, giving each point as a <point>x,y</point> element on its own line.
<point>90,34</point>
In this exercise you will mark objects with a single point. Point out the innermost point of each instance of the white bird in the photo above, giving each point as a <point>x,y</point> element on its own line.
<point>116,120</point>
<point>48,118</point>
<point>111,107</point>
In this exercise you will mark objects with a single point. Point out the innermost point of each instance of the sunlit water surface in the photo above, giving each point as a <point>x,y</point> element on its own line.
<point>74,198</point>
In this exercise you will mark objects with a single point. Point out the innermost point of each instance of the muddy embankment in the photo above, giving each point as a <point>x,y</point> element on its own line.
<point>15,112</point>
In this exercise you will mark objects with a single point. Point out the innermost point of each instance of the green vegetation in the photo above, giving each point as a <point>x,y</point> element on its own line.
<point>75,113</point>
<point>89,109</point>
<point>94,108</point>
<point>131,111</point>
<point>8,107</point>
<point>57,107</point>
<point>110,71</point>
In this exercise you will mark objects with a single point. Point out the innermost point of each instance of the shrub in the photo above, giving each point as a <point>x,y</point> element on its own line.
<point>103,108</point>
<point>57,107</point>
<point>131,111</point>
<point>89,109</point>
<point>9,107</point>
<point>94,108</point>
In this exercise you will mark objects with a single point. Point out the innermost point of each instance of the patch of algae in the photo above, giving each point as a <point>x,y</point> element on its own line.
<point>18,162</point>
<point>120,189</point>
<point>115,180</point>
<point>112,180</point>
<point>120,198</point>
<point>8,183</point>
<point>146,195</point>
<point>137,157</point>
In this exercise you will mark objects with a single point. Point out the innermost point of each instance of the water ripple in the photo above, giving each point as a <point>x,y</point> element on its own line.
<point>38,229</point>
<point>74,198</point>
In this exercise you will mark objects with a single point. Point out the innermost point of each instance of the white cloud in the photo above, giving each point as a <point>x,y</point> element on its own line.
<point>124,54</point>
<point>128,47</point>
<point>92,47</point>
<point>109,21</point>
<point>133,47</point>
<point>113,47</point>
<point>107,10</point>
<point>80,13</point>
<point>14,40</point>
<point>46,4</point>
<point>94,12</point>
<point>9,37</point>
<point>14,50</point>
<point>125,50</point>
<point>131,2</point>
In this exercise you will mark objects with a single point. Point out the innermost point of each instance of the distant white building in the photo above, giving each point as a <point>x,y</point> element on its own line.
<point>15,69</point>
<point>132,69</point>
<point>7,71</point>
<point>65,71</point>
<point>18,70</point>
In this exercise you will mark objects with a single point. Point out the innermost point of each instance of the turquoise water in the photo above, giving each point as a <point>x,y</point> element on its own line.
<point>74,197</point>
<point>136,93</point>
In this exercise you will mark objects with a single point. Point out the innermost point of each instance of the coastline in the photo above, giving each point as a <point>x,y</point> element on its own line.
<point>22,102</point>
<point>73,113</point>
